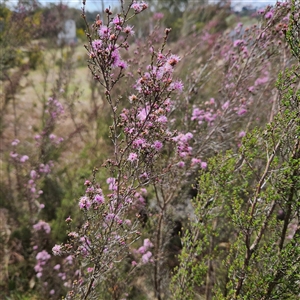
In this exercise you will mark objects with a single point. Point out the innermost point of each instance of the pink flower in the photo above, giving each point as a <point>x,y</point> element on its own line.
<point>52,136</point>
<point>157,145</point>
<point>183,154</point>
<point>56,267</point>
<point>56,250</point>
<point>90,270</point>
<point>241,111</point>
<point>203,165</point>
<point>45,168</point>
<point>225,105</point>
<point>197,114</point>
<point>24,158</point>
<point>242,134</point>
<point>98,199</point>
<point>269,15</point>
<point>43,256</point>
<point>181,164</point>
<point>142,249</point>
<point>147,243</point>
<point>139,6</point>
<point>110,217</point>
<point>127,222</point>
<point>38,268</point>
<point>142,115</point>
<point>42,225</point>
<point>73,235</point>
<point>251,89</point>
<point>162,119</point>
<point>128,30</point>
<point>144,176</point>
<point>173,60</point>
<point>15,142</point>
<point>13,154</point>
<point>132,98</point>
<point>90,190</point>
<point>103,31</point>
<point>68,219</point>
<point>84,202</point>
<point>52,292</point>
<point>144,192</point>
<point>33,174</point>
<point>237,43</point>
<point>69,259</point>
<point>138,143</point>
<point>146,257</point>
<point>189,135</point>
<point>261,80</point>
<point>158,16</point>
<point>117,20</point>
<point>115,57</point>
<point>96,44</point>
<point>132,157</point>
<point>112,183</point>
<point>87,183</point>
<point>121,64</point>
<point>133,263</point>
<point>176,86</point>
<point>195,161</point>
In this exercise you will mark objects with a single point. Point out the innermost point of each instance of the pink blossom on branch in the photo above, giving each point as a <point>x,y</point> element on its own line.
<point>132,157</point>
<point>139,6</point>
<point>146,257</point>
<point>128,30</point>
<point>57,250</point>
<point>84,203</point>
<point>42,225</point>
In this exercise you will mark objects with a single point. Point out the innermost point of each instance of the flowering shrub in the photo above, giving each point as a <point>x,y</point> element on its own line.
<point>144,140</point>
<point>172,107</point>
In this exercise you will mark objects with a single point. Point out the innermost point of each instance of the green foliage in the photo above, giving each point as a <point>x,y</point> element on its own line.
<point>239,203</point>
<point>293,31</point>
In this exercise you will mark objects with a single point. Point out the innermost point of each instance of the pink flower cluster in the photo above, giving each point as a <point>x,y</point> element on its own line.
<point>16,156</point>
<point>159,77</point>
<point>105,51</point>
<point>42,258</point>
<point>183,147</point>
<point>93,196</point>
<point>42,225</point>
<point>54,108</point>
<point>57,250</point>
<point>139,198</point>
<point>144,250</point>
<point>201,116</point>
<point>139,6</point>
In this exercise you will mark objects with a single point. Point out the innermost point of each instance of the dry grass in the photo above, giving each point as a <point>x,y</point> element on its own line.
<point>23,114</point>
